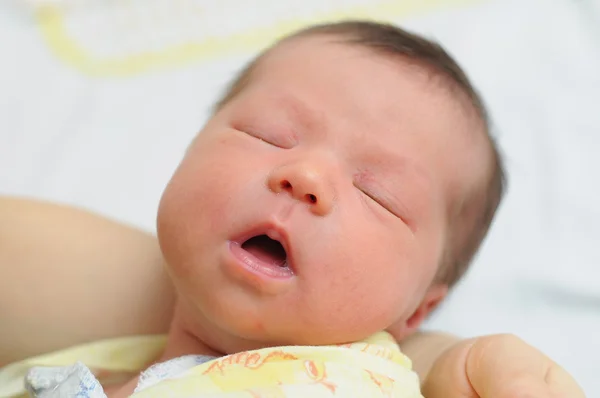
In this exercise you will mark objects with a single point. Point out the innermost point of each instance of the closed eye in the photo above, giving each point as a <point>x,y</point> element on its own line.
<point>260,138</point>
<point>378,201</point>
<point>271,136</point>
<point>384,205</point>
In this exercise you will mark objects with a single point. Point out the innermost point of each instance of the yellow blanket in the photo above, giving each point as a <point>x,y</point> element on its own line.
<point>371,368</point>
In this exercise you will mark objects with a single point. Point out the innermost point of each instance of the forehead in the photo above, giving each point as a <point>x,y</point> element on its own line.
<point>376,100</point>
<point>320,77</point>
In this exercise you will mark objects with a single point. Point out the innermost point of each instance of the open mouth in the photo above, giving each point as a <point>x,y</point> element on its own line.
<point>262,256</point>
<point>267,250</point>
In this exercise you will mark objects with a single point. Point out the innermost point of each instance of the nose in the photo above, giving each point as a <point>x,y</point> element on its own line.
<point>306,183</point>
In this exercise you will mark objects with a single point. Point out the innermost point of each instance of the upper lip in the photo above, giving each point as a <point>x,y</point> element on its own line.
<point>275,231</point>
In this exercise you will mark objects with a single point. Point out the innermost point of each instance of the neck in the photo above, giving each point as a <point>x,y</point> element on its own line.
<point>191,333</point>
<point>183,339</point>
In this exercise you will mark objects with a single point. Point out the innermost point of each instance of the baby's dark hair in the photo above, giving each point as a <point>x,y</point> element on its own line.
<point>471,219</point>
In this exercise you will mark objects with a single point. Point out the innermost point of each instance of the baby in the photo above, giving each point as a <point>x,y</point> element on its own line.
<point>340,189</point>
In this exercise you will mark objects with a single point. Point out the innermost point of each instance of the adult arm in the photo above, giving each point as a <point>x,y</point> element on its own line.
<point>69,276</point>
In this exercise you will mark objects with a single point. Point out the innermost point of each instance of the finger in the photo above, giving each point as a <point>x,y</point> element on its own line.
<point>562,384</point>
<point>504,366</point>
<point>447,378</point>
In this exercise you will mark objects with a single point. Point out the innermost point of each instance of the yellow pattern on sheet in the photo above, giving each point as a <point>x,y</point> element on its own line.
<point>375,368</point>
<point>121,38</point>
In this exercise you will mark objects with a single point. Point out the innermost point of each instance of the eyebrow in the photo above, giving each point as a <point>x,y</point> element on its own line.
<point>300,112</point>
<point>398,165</point>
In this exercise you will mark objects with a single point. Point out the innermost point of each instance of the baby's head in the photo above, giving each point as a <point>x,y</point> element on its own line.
<point>341,187</point>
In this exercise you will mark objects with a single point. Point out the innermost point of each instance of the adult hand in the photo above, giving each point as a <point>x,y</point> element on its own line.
<point>498,366</point>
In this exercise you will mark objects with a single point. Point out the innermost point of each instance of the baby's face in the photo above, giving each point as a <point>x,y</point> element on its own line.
<point>313,208</point>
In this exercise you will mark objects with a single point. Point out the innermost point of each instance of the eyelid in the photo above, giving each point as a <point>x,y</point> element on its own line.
<point>277,141</point>
<point>259,137</point>
<point>385,206</point>
<point>375,199</point>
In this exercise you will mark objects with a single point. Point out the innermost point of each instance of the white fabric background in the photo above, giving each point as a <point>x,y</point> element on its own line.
<point>110,144</point>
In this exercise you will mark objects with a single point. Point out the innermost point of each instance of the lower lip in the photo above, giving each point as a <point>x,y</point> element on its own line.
<point>257,267</point>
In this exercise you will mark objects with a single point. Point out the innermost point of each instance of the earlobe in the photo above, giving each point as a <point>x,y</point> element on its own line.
<point>432,298</point>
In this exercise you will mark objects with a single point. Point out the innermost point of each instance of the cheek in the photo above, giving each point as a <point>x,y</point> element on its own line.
<point>198,202</point>
<point>211,176</point>
<point>195,198</point>
<point>371,280</point>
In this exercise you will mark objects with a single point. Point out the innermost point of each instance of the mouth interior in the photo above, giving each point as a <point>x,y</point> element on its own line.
<point>267,250</point>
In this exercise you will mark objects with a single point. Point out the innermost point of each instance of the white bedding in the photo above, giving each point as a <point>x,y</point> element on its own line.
<point>107,138</point>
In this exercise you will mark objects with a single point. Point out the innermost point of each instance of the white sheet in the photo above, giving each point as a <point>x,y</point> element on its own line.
<point>110,143</point>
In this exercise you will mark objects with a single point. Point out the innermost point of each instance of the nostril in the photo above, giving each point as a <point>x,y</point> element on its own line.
<point>285,184</point>
<point>311,198</point>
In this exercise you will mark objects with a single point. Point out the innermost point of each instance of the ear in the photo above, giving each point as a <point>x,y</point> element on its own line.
<point>432,298</point>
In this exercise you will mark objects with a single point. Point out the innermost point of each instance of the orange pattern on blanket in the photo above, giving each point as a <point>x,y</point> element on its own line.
<point>222,370</point>
<point>372,368</point>
<point>316,371</point>
<point>385,384</point>
<point>251,360</point>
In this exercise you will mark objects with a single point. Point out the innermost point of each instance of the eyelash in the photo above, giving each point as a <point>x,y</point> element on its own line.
<point>384,206</point>
<point>377,201</point>
<point>267,141</point>
<point>258,137</point>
